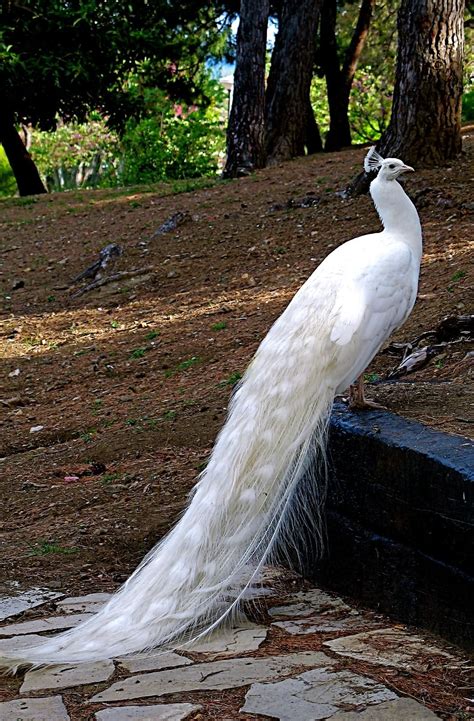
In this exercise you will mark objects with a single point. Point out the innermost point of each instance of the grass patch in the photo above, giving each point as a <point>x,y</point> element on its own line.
<point>44,548</point>
<point>231,380</point>
<point>221,325</point>
<point>183,366</point>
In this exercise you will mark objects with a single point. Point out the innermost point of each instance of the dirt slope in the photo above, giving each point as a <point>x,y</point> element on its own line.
<point>129,382</point>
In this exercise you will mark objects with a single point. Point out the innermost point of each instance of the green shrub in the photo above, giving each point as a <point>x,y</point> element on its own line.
<point>176,142</point>
<point>468,106</point>
<point>7,179</point>
<point>77,155</point>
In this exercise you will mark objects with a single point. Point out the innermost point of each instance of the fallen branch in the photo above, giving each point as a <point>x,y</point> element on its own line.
<point>171,224</point>
<point>111,279</point>
<point>109,253</point>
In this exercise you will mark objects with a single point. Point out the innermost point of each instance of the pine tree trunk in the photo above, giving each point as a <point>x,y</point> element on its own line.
<point>245,132</point>
<point>25,171</point>
<point>313,141</point>
<point>339,80</point>
<point>425,125</point>
<point>289,81</point>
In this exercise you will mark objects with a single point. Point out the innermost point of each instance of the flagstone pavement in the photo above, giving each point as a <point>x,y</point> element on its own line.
<point>306,655</point>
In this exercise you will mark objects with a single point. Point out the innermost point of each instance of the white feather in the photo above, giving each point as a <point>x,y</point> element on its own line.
<point>323,341</point>
<point>372,160</point>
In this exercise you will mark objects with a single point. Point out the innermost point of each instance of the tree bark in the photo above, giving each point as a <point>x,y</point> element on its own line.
<point>289,82</point>
<point>313,141</point>
<point>425,125</point>
<point>25,171</point>
<point>339,80</point>
<point>245,131</point>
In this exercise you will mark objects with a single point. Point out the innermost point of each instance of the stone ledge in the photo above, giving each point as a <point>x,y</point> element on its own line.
<point>400,521</point>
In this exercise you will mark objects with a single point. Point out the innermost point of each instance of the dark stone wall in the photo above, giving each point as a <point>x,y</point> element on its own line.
<point>400,521</point>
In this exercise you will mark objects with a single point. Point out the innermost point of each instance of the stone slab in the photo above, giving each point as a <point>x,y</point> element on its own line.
<point>164,712</point>
<point>90,603</point>
<point>54,623</point>
<point>228,673</point>
<point>153,661</point>
<point>305,626</point>
<point>403,709</point>
<point>17,643</point>
<point>307,603</point>
<point>314,695</point>
<point>34,709</point>
<point>66,676</point>
<point>230,641</point>
<point>15,603</point>
<point>390,647</point>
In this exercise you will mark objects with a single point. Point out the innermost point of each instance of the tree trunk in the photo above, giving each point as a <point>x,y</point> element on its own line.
<point>25,171</point>
<point>289,82</point>
<point>313,141</point>
<point>339,80</point>
<point>425,125</point>
<point>245,132</point>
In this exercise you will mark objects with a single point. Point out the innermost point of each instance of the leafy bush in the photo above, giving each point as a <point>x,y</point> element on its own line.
<point>370,106</point>
<point>176,141</point>
<point>468,106</point>
<point>7,179</point>
<point>77,155</point>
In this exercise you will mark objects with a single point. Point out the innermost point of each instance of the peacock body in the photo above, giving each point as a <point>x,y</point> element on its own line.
<point>196,576</point>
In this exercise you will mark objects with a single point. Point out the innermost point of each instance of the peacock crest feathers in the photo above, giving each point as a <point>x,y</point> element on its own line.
<point>372,160</point>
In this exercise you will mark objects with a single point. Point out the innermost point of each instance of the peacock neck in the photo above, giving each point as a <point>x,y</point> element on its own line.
<point>397,213</point>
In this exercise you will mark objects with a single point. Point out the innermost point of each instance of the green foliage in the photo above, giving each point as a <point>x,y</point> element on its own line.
<point>43,548</point>
<point>176,141</point>
<point>183,366</point>
<point>221,325</point>
<point>232,380</point>
<point>138,353</point>
<point>7,179</point>
<point>77,155</point>
<point>64,60</point>
<point>468,106</point>
<point>371,96</point>
<point>319,101</point>
<point>370,106</point>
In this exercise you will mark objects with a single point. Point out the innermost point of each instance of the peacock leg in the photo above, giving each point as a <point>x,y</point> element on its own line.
<point>357,399</point>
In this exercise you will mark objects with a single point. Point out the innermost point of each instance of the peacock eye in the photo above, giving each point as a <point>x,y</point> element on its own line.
<point>391,166</point>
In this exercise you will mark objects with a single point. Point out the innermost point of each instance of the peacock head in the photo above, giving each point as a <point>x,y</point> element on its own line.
<point>389,168</point>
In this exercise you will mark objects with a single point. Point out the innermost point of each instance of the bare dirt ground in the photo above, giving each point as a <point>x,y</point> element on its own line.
<point>129,382</point>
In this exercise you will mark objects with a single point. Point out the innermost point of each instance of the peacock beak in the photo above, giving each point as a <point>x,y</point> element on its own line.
<point>406,168</point>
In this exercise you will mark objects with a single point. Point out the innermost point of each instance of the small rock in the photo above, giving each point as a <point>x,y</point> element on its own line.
<point>36,429</point>
<point>14,373</point>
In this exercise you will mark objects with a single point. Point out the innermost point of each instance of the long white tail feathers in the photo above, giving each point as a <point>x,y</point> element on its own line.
<point>197,575</point>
